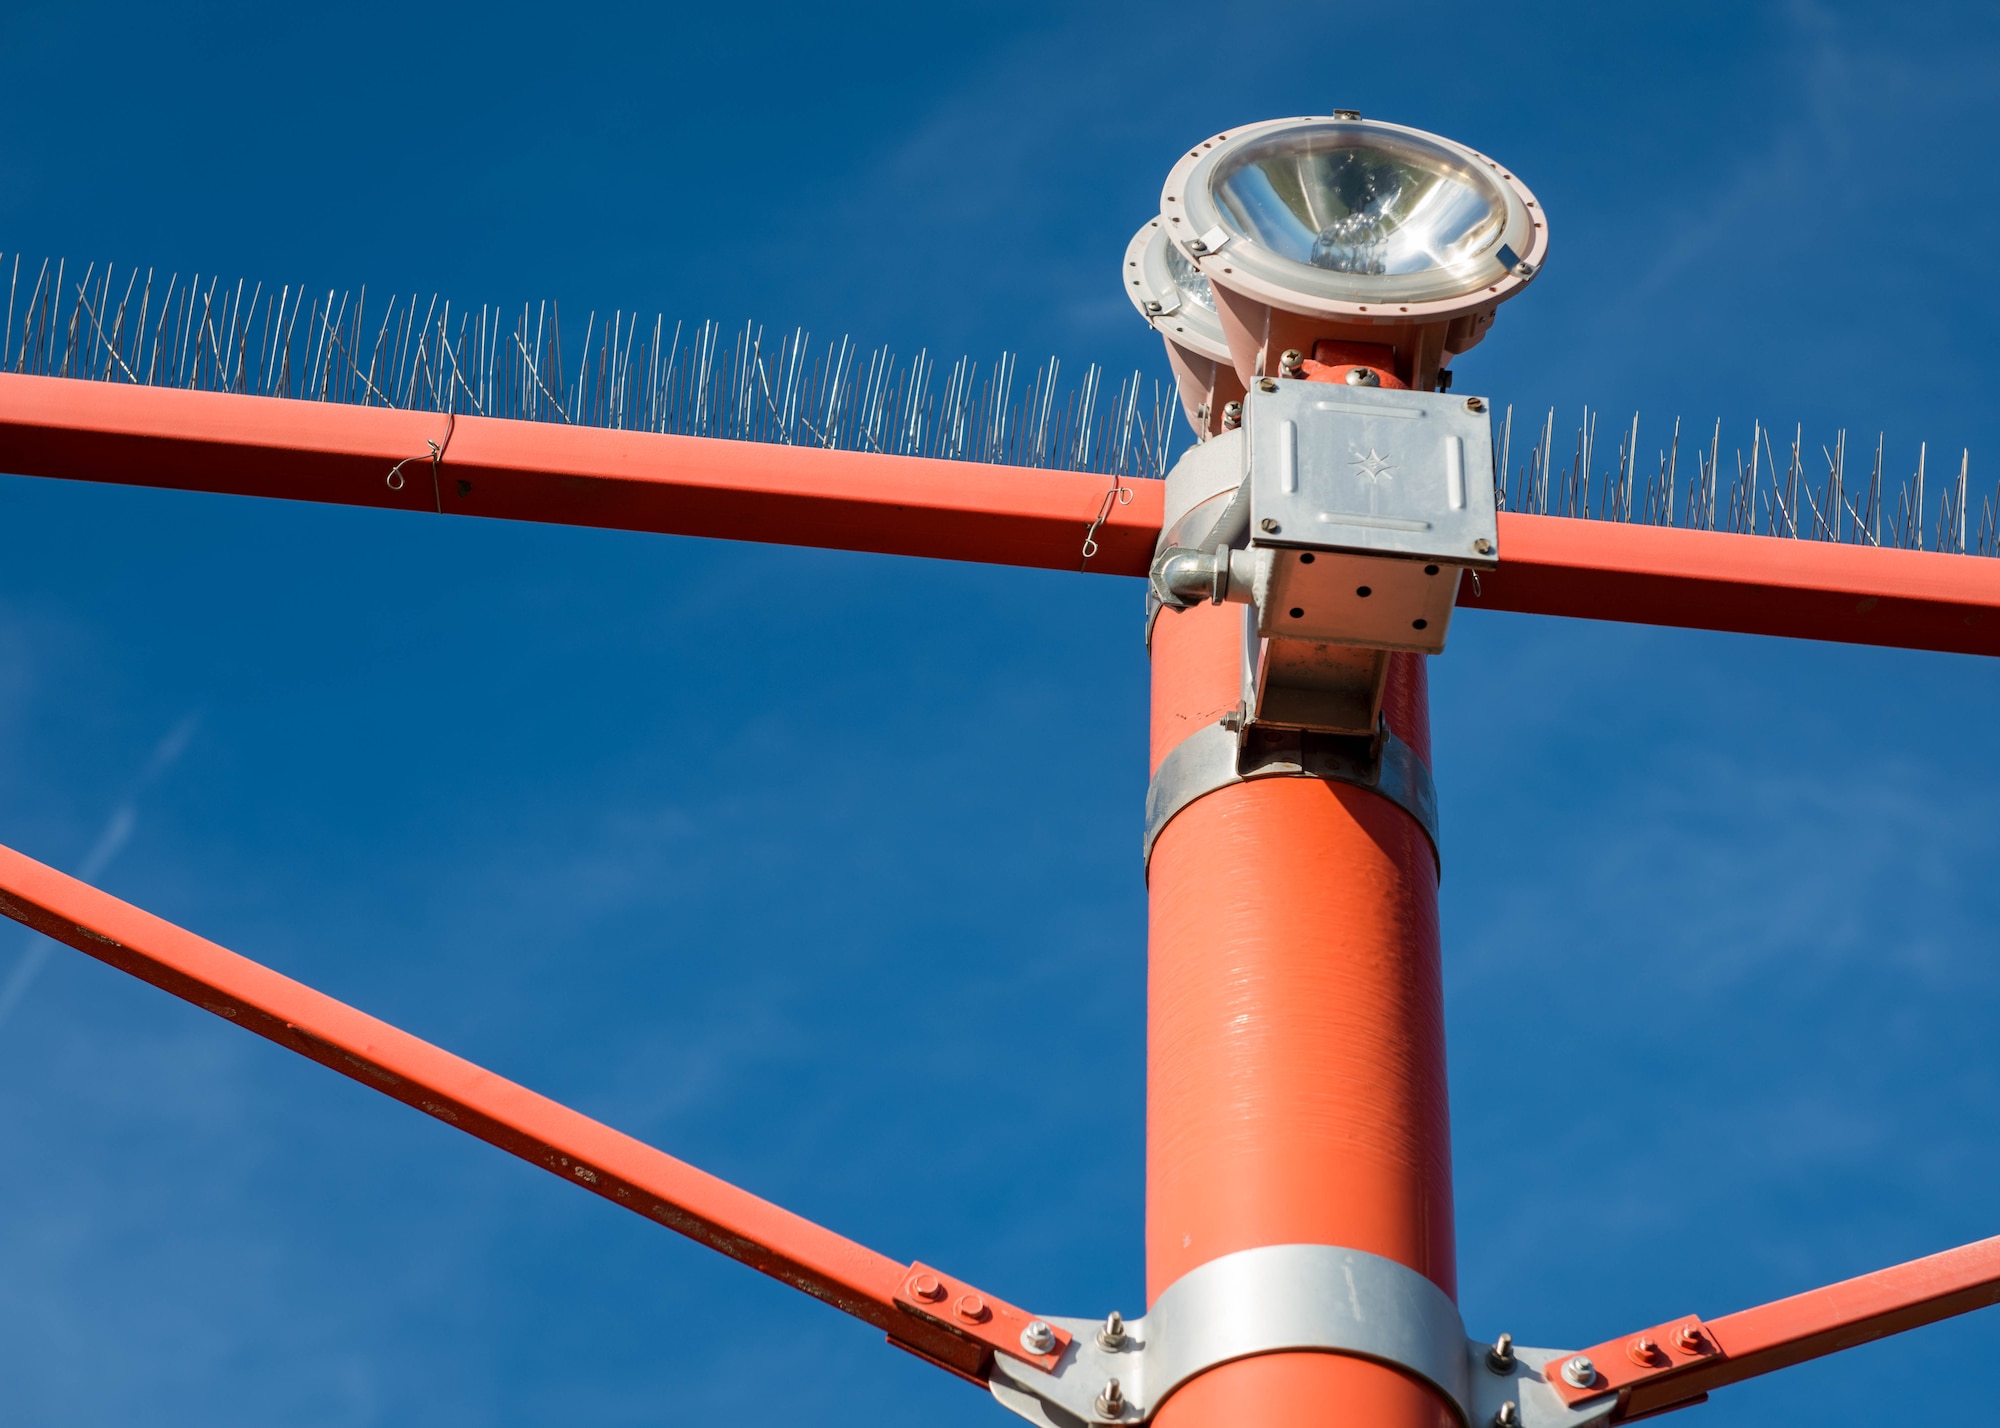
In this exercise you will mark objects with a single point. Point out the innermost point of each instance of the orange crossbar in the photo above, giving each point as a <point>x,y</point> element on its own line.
<point>568,1144</point>
<point>953,510</point>
<point>570,475</point>
<point>1752,585</point>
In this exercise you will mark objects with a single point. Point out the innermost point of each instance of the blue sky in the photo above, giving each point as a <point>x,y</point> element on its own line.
<point>820,870</point>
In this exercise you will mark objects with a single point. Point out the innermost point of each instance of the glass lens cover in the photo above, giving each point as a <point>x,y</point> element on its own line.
<point>1192,282</point>
<point>1359,201</point>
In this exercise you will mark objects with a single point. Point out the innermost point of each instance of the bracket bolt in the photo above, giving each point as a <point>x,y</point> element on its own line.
<point>1232,416</point>
<point>1500,1358</point>
<point>972,1309</point>
<point>1475,404</point>
<point>1289,362</point>
<point>1111,1402</point>
<point>1509,1415</point>
<point>1363,377</point>
<point>927,1287</point>
<point>1687,1338</point>
<point>1113,1336</point>
<point>1265,384</point>
<point>1038,1338</point>
<point>1268,526</point>
<point>1152,308</point>
<point>1483,546</point>
<point>1579,1372</point>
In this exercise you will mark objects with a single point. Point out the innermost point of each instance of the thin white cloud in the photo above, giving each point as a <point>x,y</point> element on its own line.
<point>111,841</point>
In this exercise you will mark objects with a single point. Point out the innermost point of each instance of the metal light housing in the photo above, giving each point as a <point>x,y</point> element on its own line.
<point>1352,232</point>
<point>1170,292</point>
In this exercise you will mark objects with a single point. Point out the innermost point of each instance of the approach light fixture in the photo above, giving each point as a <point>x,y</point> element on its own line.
<point>1170,293</point>
<point>1336,246</point>
<point>1332,267</point>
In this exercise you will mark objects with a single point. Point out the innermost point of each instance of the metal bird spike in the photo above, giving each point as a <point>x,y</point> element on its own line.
<point>748,383</point>
<point>756,384</point>
<point>1760,497</point>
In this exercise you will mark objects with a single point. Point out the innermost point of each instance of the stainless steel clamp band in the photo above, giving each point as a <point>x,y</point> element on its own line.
<point>1276,1299</point>
<point>1215,757</point>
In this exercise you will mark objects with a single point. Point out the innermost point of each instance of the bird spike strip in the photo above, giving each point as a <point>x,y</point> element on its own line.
<point>749,384</point>
<point>628,373</point>
<point>1777,490</point>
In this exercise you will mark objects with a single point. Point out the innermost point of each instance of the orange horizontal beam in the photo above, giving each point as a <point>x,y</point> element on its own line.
<point>1753,585</point>
<point>954,510</point>
<point>566,1143</point>
<point>570,475</point>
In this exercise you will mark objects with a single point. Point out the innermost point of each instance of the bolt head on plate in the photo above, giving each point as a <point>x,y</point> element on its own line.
<point>1362,377</point>
<point>1644,1352</point>
<point>1687,1338</point>
<point>1111,1402</point>
<point>972,1309</point>
<point>927,1287</point>
<point>1038,1338</point>
<point>1579,1372</point>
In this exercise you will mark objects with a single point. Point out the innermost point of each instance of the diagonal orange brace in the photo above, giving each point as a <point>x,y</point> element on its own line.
<point>584,1152</point>
<point>1678,1362</point>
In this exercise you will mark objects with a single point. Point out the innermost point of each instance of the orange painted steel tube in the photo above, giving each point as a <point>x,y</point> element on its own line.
<point>571,475</point>
<point>568,1144</point>
<point>1748,584</point>
<point>954,510</point>
<point>1296,1067</point>
<point>1791,1331</point>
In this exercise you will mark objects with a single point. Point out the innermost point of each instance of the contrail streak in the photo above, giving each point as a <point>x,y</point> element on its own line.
<point>117,832</point>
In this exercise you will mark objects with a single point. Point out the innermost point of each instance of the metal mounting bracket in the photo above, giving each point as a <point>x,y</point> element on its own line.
<point>1220,755</point>
<point>1313,1298</point>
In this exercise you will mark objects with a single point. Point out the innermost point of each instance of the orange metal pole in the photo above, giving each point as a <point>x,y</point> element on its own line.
<point>1296,1071</point>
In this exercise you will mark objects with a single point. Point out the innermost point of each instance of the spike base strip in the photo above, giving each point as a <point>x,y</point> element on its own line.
<point>1773,1336</point>
<point>564,1142</point>
<point>1753,585</point>
<point>572,475</point>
